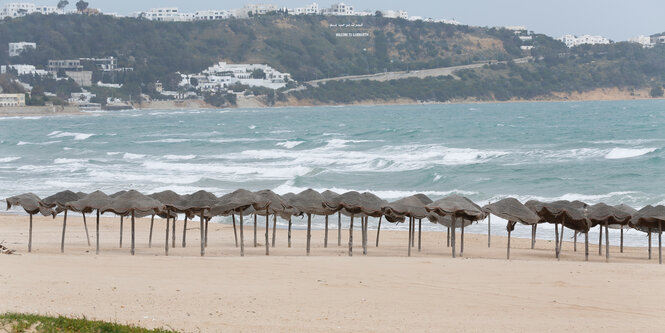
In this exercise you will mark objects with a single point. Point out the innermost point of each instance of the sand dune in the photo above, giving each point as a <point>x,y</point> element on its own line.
<point>328,291</point>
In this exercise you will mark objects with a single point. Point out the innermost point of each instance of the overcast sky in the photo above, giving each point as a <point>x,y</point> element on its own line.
<point>615,19</point>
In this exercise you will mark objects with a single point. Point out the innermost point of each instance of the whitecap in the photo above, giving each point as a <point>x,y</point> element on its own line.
<point>130,156</point>
<point>9,159</point>
<point>289,144</point>
<point>620,153</point>
<point>76,136</point>
<point>45,143</point>
<point>179,157</point>
<point>251,127</point>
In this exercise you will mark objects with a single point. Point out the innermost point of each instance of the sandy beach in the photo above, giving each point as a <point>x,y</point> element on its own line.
<point>328,291</point>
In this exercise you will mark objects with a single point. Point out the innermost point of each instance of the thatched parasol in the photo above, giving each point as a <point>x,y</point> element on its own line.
<point>605,215</point>
<point>365,204</point>
<point>513,211</point>
<point>296,212</point>
<point>128,203</point>
<point>58,202</point>
<point>457,206</point>
<point>310,202</point>
<point>198,203</point>
<point>31,204</point>
<point>238,202</point>
<point>571,214</point>
<point>278,206</point>
<point>329,195</point>
<point>412,207</point>
<point>647,219</point>
<point>628,210</point>
<point>168,199</point>
<point>94,201</point>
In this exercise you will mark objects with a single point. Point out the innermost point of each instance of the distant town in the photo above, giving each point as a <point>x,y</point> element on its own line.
<point>221,77</point>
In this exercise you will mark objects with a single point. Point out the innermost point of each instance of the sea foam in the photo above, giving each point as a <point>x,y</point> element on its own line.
<point>620,153</point>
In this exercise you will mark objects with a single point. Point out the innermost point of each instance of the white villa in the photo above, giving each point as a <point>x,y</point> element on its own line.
<point>15,49</point>
<point>23,70</point>
<point>222,75</point>
<point>572,40</point>
<point>645,41</point>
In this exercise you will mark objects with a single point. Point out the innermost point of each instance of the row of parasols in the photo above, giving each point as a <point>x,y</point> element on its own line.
<point>452,212</point>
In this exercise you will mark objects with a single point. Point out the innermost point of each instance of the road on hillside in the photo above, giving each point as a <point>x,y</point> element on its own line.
<point>423,73</point>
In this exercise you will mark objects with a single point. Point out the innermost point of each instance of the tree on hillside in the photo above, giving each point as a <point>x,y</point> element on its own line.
<point>62,4</point>
<point>258,74</point>
<point>657,92</point>
<point>81,5</point>
<point>378,13</point>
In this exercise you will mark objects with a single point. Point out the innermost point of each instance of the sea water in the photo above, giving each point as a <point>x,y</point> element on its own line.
<point>609,152</point>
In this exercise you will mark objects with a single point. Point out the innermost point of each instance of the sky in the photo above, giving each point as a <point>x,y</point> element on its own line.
<point>614,19</point>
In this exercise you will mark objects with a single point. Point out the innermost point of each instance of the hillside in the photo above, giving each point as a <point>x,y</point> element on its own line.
<point>305,46</point>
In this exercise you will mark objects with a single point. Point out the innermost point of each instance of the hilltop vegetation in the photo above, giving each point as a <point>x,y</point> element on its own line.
<point>305,46</point>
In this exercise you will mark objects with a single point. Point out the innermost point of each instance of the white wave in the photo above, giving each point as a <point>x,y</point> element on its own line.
<point>130,156</point>
<point>620,153</point>
<point>280,131</point>
<point>46,143</point>
<point>179,157</point>
<point>69,160</point>
<point>124,177</point>
<point>251,127</point>
<point>289,144</point>
<point>76,136</point>
<point>9,159</point>
<point>626,197</point>
<point>633,142</point>
<point>113,153</point>
<point>231,172</point>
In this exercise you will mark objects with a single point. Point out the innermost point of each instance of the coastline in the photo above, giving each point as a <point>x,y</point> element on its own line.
<point>598,95</point>
<point>383,291</point>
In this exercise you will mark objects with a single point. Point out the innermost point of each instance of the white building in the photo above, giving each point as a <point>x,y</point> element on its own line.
<point>255,9</point>
<point>645,41</point>
<point>395,14</point>
<point>572,41</point>
<point>169,14</point>
<point>311,9</point>
<point>20,9</point>
<point>10,100</point>
<point>15,49</point>
<point>223,75</point>
<point>208,15</point>
<point>23,70</point>
<point>339,9</point>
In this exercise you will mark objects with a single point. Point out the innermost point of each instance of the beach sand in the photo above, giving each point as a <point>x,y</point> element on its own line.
<point>327,291</point>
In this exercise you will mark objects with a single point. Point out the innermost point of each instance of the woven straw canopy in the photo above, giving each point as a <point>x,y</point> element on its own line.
<point>31,203</point>
<point>513,210</point>
<point>94,201</point>
<point>412,206</point>
<point>458,206</point>
<point>239,200</point>
<point>132,202</point>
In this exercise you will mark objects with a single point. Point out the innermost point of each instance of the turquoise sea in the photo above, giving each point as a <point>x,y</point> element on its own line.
<point>591,151</point>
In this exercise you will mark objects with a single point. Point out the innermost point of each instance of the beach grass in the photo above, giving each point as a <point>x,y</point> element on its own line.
<point>18,323</point>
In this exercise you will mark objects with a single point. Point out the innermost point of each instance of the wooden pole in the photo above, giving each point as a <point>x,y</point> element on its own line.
<point>255,230</point>
<point>600,239</point>
<point>660,242</point>
<point>489,229</point>
<point>365,236</point>
<point>378,231</point>
<point>452,235</point>
<point>173,232</point>
<point>64,225</point>
<point>461,249</point>
<point>621,249</point>
<point>586,246</point>
<point>152,224</point>
<point>133,235</point>
<point>274,230</point>
<point>413,234</point>
<point>184,233</point>
<point>448,237</point>
<point>556,240</point>
<point>420,234</point>
<point>575,241</point>
<point>309,231</point>
<point>607,242</point>
<point>97,251</point>
<point>85,225</point>
<point>242,236</point>
<point>235,232</point>
<point>509,232</point>
<point>166,244</point>
<point>533,235</point>
<point>325,238</point>
<point>351,237</point>
<point>203,230</point>
<point>410,231</point>
<point>339,229</point>
<point>561,241</point>
<point>207,224</point>
<point>121,226</point>
<point>649,243</point>
<point>290,231</point>
<point>267,233</point>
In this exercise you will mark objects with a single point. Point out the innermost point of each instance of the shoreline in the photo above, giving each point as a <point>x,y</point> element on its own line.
<point>598,95</point>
